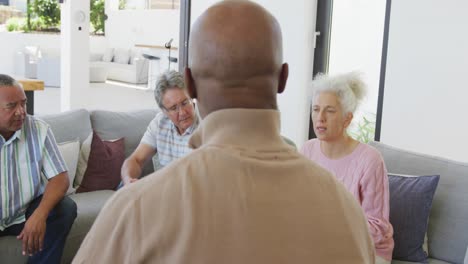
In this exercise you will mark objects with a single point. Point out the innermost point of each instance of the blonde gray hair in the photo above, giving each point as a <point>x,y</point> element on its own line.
<point>168,80</point>
<point>348,87</point>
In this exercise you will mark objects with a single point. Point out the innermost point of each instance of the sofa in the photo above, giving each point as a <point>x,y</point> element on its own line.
<point>447,232</point>
<point>79,124</point>
<point>123,65</point>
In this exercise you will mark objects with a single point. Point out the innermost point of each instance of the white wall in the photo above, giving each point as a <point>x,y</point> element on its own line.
<point>426,91</point>
<point>125,28</point>
<point>297,20</point>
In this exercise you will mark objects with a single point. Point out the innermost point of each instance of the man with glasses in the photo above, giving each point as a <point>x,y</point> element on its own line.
<point>170,130</point>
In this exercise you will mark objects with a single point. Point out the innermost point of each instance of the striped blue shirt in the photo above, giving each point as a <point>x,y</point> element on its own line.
<point>27,160</point>
<point>163,136</point>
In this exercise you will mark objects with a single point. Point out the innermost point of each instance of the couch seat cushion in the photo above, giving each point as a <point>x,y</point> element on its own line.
<point>89,205</point>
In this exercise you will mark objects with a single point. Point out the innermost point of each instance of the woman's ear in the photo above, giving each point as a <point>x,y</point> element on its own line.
<point>348,118</point>
<point>190,84</point>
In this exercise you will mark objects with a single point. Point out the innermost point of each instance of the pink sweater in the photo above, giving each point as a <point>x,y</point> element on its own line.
<point>364,174</point>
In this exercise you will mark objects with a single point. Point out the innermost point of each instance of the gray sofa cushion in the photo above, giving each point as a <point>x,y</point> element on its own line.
<point>69,125</point>
<point>130,125</point>
<point>89,205</point>
<point>447,234</point>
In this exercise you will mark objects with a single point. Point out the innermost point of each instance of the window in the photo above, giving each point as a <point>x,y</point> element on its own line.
<point>12,15</point>
<point>164,4</point>
<point>148,4</point>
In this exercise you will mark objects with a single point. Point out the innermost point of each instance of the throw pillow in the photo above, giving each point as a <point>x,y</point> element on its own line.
<point>104,164</point>
<point>410,206</point>
<point>108,55</point>
<point>83,160</point>
<point>122,56</point>
<point>70,151</point>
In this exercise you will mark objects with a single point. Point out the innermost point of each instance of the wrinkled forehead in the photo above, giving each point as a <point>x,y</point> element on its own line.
<point>11,94</point>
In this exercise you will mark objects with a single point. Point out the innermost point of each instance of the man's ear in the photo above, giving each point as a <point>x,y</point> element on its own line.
<point>190,84</point>
<point>283,77</point>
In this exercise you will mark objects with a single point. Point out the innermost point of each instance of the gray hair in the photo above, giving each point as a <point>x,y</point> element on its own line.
<point>6,80</point>
<point>348,87</point>
<point>168,80</point>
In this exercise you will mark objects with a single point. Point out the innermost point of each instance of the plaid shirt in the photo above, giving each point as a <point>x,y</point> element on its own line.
<point>163,136</point>
<point>27,160</point>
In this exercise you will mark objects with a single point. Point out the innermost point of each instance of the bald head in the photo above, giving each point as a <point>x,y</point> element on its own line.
<point>236,58</point>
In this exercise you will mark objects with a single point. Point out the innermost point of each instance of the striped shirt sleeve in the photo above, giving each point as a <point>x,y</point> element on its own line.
<point>52,161</point>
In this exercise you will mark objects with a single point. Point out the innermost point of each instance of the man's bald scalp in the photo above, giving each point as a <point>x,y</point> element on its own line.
<point>235,39</point>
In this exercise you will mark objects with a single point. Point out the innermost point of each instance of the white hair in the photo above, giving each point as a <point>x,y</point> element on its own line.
<point>348,87</point>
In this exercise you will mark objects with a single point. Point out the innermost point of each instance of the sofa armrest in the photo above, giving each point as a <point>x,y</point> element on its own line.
<point>140,63</point>
<point>141,69</point>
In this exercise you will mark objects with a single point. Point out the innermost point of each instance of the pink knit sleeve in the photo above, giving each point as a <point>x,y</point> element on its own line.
<point>375,201</point>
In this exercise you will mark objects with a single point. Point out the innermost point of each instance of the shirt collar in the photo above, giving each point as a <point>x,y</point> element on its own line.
<point>240,127</point>
<point>16,135</point>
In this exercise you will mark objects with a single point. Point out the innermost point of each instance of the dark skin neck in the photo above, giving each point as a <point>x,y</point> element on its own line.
<point>7,135</point>
<point>258,94</point>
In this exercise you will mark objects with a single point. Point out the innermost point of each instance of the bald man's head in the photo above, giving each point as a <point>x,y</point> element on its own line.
<point>235,57</point>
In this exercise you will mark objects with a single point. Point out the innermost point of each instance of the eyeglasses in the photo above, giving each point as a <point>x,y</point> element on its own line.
<point>177,107</point>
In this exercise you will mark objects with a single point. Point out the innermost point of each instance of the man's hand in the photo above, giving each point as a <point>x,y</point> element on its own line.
<point>33,234</point>
<point>132,167</point>
<point>128,180</point>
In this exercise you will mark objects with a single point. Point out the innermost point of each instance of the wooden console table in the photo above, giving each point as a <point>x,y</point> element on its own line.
<point>29,86</point>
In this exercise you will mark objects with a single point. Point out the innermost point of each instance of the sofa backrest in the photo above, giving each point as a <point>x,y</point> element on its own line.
<point>70,125</point>
<point>130,125</point>
<point>448,222</point>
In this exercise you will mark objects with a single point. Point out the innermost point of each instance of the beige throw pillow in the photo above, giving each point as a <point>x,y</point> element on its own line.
<point>70,151</point>
<point>108,55</point>
<point>83,160</point>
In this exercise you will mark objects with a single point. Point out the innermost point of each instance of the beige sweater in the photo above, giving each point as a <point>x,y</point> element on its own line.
<point>242,196</point>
